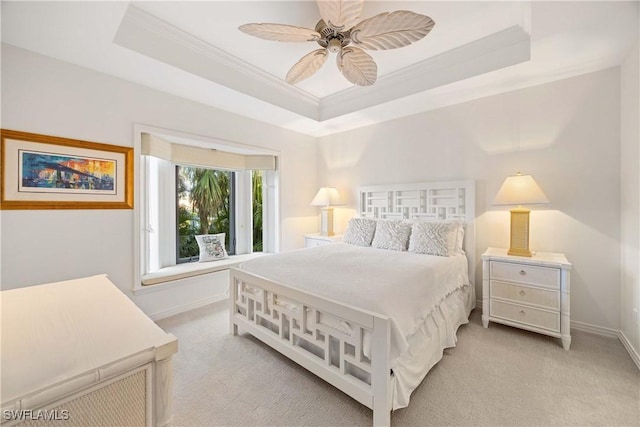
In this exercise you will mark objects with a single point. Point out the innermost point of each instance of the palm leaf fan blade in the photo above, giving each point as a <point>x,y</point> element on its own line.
<point>307,66</point>
<point>280,32</point>
<point>357,66</point>
<point>391,30</point>
<point>340,14</point>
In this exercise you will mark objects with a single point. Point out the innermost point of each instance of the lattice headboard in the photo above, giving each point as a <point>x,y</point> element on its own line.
<point>429,200</point>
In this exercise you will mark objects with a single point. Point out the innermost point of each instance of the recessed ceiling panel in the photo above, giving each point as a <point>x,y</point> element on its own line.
<point>207,60</point>
<point>415,69</point>
<point>216,23</point>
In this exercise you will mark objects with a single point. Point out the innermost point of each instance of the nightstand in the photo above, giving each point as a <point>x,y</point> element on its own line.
<point>315,239</point>
<point>527,293</point>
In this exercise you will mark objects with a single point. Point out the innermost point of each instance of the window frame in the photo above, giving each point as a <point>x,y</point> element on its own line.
<point>144,203</point>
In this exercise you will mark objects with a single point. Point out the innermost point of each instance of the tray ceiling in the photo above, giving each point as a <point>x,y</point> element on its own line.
<point>194,50</point>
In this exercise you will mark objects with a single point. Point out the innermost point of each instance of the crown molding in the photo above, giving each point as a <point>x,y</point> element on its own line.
<point>502,49</point>
<point>152,37</point>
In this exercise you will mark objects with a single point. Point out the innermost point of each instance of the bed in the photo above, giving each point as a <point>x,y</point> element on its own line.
<point>337,310</point>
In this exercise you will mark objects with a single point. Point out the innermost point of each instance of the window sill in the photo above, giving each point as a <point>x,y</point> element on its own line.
<point>164,276</point>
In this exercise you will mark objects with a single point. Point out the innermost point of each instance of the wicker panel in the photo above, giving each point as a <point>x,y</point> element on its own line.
<point>121,403</point>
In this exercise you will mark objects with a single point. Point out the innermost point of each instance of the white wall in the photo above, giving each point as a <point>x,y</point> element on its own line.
<point>47,96</point>
<point>566,134</point>
<point>630,196</point>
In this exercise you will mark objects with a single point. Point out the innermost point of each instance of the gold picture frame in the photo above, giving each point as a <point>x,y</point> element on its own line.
<point>50,172</point>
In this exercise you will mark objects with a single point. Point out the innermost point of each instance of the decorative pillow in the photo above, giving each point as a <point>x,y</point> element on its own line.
<point>434,238</point>
<point>392,234</point>
<point>360,231</point>
<point>211,247</point>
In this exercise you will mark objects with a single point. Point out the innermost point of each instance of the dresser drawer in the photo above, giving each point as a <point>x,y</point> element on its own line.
<point>549,320</point>
<point>546,298</point>
<point>525,274</point>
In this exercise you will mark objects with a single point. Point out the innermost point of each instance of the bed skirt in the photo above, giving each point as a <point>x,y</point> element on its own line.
<point>427,344</point>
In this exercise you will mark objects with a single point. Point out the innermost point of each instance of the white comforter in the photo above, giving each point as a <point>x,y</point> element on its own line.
<point>402,285</point>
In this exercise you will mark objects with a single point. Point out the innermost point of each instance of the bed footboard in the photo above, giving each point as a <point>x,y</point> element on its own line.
<point>346,346</point>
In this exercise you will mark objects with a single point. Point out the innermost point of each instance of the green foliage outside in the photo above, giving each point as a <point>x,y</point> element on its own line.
<point>256,188</point>
<point>203,207</point>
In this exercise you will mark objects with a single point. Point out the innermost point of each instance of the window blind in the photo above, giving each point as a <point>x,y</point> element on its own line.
<point>155,146</point>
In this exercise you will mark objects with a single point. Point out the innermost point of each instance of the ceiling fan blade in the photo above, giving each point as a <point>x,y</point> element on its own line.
<point>357,66</point>
<point>391,30</point>
<point>340,14</point>
<point>307,66</point>
<point>280,32</point>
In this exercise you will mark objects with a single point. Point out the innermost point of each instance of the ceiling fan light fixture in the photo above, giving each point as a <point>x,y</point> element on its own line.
<point>339,32</point>
<point>335,45</point>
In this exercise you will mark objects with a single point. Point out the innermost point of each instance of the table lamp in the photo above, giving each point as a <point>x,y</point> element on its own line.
<point>326,197</point>
<point>520,190</point>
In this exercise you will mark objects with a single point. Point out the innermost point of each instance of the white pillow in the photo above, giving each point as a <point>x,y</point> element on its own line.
<point>360,231</point>
<point>456,238</point>
<point>434,238</point>
<point>211,247</point>
<point>392,234</point>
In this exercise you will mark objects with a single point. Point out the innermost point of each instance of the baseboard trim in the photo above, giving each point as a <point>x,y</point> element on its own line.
<point>632,351</point>
<point>598,330</point>
<point>582,326</point>
<point>191,306</point>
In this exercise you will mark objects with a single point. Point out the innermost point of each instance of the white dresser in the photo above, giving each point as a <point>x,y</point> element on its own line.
<point>528,293</point>
<point>316,239</point>
<point>81,353</point>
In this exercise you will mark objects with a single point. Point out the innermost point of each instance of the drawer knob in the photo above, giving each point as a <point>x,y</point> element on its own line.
<point>522,313</point>
<point>522,293</point>
<point>523,273</point>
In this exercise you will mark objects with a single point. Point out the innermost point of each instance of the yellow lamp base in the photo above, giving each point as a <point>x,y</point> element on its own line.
<point>519,244</point>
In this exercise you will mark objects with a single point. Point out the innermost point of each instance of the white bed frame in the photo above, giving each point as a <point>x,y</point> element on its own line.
<point>325,351</point>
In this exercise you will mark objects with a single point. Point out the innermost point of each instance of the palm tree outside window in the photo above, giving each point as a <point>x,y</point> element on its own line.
<point>205,201</point>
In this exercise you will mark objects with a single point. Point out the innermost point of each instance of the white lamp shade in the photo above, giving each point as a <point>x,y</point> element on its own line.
<point>326,196</point>
<point>520,190</point>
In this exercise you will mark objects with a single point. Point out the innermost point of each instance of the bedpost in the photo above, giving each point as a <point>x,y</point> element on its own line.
<point>233,296</point>
<point>380,371</point>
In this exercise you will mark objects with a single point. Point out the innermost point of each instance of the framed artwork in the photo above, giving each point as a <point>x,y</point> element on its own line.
<point>48,172</point>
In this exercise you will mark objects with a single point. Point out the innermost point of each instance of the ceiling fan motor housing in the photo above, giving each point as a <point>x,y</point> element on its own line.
<point>331,39</point>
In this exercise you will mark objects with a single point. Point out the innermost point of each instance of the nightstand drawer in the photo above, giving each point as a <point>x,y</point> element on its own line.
<point>312,243</point>
<point>526,274</point>
<point>546,298</point>
<point>526,315</point>
<point>313,240</point>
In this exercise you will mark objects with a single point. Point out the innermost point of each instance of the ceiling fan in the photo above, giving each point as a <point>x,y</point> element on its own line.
<point>340,32</point>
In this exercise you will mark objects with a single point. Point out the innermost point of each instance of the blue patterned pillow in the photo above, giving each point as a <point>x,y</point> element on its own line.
<point>211,247</point>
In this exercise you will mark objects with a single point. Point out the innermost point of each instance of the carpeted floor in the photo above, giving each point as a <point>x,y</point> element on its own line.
<point>496,376</point>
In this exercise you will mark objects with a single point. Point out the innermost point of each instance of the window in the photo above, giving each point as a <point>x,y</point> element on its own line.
<point>205,205</point>
<point>190,190</point>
